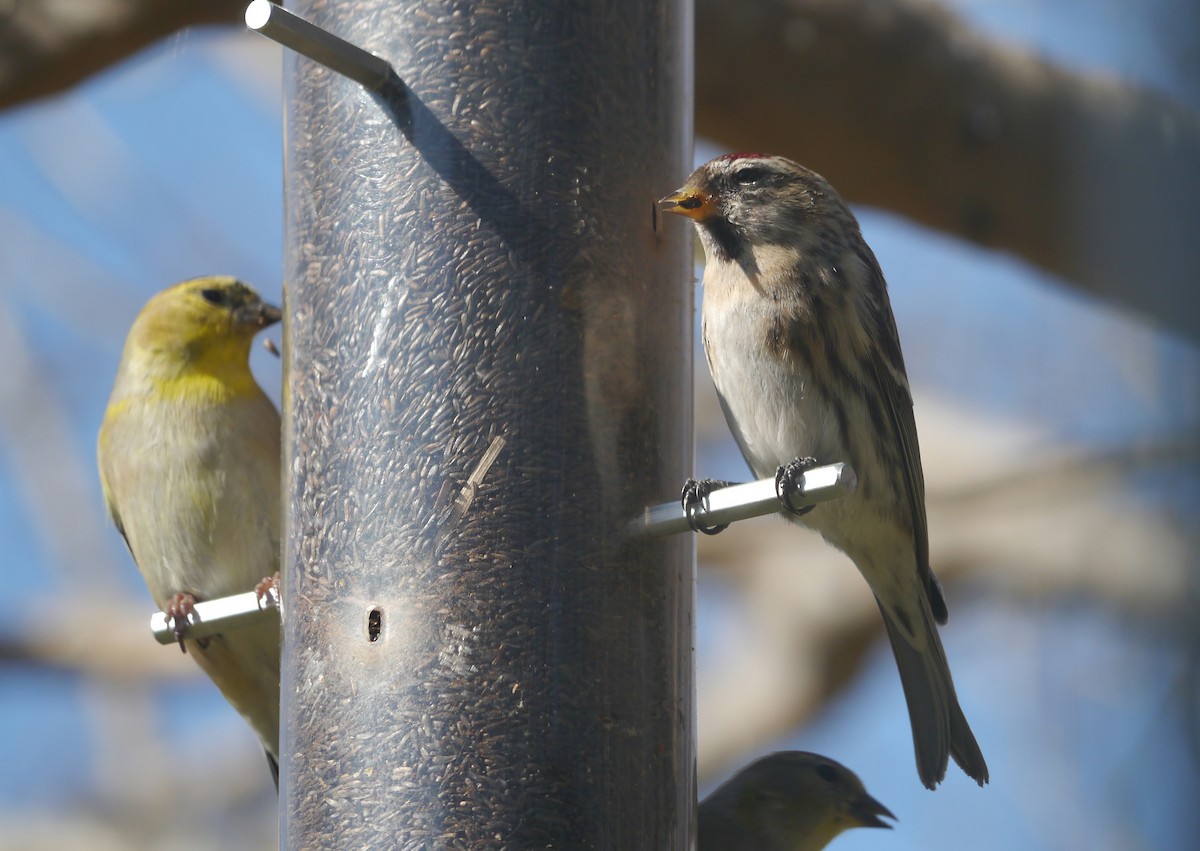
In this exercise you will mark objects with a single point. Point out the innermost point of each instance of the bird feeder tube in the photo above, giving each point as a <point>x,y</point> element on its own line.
<point>487,357</point>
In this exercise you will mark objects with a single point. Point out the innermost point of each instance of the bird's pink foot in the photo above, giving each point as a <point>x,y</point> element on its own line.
<point>267,591</point>
<point>178,609</point>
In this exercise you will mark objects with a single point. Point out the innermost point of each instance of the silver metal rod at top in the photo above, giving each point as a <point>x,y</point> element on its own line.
<point>319,45</point>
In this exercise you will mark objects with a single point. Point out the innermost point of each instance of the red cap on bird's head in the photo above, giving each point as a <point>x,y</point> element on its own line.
<point>743,155</point>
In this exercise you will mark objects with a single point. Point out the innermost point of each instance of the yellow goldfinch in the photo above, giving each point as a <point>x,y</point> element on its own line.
<point>788,801</point>
<point>189,455</point>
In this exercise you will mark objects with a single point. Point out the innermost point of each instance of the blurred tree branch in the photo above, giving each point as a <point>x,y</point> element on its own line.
<point>897,102</point>
<point>904,107</point>
<point>46,48</point>
<point>109,641</point>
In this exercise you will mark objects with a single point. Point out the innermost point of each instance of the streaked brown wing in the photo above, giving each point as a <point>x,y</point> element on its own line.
<point>892,383</point>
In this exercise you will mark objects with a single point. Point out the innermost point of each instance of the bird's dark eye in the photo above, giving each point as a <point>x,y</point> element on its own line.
<point>749,175</point>
<point>826,773</point>
<point>213,296</point>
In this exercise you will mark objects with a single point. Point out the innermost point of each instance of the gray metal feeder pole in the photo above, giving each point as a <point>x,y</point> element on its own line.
<point>488,373</point>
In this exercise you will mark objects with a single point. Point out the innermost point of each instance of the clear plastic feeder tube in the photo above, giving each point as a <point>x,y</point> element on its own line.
<point>488,373</point>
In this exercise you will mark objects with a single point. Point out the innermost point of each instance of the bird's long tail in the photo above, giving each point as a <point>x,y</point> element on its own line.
<point>940,729</point>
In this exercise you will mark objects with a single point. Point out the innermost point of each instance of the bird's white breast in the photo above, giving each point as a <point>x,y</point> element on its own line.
<point>772,405</point>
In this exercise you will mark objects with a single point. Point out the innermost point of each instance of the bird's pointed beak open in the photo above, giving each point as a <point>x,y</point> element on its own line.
<point>260,315</point>
<point>269,314</point>
<point>693,203</point>
<point>866,812</point>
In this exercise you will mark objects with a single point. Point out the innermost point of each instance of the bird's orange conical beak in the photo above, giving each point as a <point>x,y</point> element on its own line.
<point>696,204</point>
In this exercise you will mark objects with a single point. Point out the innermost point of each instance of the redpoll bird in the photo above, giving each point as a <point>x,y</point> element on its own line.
<point>788,801</point>
<point>804,353</point>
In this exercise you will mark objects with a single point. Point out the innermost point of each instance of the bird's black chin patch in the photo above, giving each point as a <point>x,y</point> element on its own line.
<point>727,243</point>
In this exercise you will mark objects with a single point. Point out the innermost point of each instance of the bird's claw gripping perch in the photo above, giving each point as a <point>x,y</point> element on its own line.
<point>267,591</point>
<point>789,479</point>
<point>178,610</point>
<point>695,491</point>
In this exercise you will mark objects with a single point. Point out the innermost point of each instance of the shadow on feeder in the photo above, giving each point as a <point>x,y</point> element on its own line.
<point>456,165</point>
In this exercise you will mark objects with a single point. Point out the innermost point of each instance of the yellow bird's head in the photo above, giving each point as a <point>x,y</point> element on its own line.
<point>202,327</point>
<point>203,312</point>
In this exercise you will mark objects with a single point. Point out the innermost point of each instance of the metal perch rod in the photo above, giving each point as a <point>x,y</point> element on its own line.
<point>321,46</point>
<point>751,499</point>
<point>213,616</point>
<point>726,505</point>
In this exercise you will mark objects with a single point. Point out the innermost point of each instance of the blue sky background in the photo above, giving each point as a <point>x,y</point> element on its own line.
<point>169,166</point>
